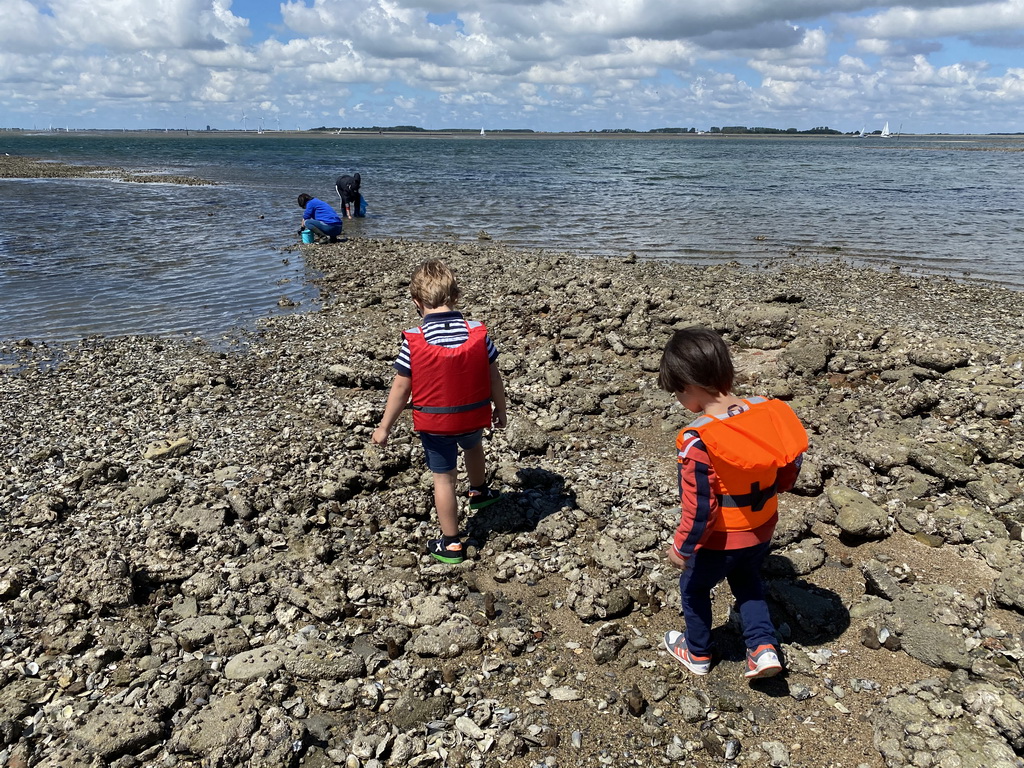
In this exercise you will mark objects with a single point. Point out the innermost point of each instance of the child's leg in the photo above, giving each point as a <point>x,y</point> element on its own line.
<point>704,570</point>
<point>475,465</point>
<point>446,503</point>
<point>748,589</point>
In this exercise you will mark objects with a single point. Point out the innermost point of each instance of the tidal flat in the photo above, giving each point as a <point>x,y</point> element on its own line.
<point>203,561</point>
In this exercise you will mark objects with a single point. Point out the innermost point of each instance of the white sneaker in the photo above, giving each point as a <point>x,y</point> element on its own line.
<point>763,661</point>
<point>675,644</point>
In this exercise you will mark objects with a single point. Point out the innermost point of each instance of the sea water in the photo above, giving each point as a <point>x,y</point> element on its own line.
<point>88,256</point>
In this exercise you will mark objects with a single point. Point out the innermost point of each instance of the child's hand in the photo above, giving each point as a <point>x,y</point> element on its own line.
<point>499,419</point>
<point>675,559</point>
<point>380,436</point>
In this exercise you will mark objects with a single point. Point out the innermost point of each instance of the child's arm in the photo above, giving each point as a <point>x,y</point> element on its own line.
<point>401,388</point>
<point>499,416</point>
<point>698,505</point>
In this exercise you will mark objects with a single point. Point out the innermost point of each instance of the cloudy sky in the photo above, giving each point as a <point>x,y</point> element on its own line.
<point>554,65</point>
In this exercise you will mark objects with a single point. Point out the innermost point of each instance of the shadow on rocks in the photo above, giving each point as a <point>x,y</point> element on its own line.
<point>536,494</point>
<point>804,614</point>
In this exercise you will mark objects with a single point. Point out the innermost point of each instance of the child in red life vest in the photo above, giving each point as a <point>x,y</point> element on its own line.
<point>448,365</point>
<point>733,462</point>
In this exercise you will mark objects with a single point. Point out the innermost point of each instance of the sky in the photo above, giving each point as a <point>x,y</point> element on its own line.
<point>926,66</point>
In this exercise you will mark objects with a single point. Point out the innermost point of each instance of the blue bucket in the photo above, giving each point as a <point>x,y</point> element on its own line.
<point>307,236</point>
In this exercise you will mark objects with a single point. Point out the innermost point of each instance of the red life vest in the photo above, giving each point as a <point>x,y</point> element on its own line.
<point>747,450</point>
<point>451,386</point>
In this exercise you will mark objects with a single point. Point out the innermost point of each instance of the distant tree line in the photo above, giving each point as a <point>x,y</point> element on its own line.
<point>728,129</point>
<point>415,129</point>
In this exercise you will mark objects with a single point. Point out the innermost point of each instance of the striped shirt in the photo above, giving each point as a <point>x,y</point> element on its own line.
<point>443,329</point>
<point>699,504</point>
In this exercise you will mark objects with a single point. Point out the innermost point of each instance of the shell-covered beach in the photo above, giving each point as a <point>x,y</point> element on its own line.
<point>203,562</point>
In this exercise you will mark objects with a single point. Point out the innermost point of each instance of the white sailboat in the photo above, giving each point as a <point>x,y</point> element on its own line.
<point>885,131</point>
<point>482,133</point>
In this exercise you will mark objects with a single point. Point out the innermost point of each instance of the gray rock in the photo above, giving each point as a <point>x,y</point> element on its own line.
<point>907,733</point>
<point>999,708</point>
<point>778,753</point>
<point>962,523</point>
<point>796,560</point>
<point>411,712</point>
<point>690,709</point>
<point>560,526</point>
<point>41,509</point>
<point>10,587</point>
<point>230,720</point>
<point>524,437</point>
<point>202,518</point>
<point>319,661</point>
<point>610,554</point>
<point>111,730</point>
<point>946,460</point>
<point>230,641</point>
<point>926,639</point>
<point>879,581</point>
<point>447,640</point>
<point>806,356</point>
<point>258,663</point>
<point>989,491</point>
<point>1009,589</point>
<point>939,354</point>
<point>197,632</point>
<point>857,515</point>
<point>424,611</point>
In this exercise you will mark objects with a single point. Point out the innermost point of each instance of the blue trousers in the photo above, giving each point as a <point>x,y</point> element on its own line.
<point>742,569</point>
<point>327,230</point>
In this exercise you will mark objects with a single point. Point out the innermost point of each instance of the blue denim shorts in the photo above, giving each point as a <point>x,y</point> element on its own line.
<point>443,450</point>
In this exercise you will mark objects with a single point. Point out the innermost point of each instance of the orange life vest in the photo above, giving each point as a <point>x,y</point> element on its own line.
<point>451,386</point>
<point>747,450</point>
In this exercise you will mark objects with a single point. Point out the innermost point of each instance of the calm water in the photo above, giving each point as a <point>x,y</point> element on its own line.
<point>79,257</point>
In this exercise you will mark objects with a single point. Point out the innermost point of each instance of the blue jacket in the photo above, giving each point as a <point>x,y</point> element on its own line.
<point>321,211</point>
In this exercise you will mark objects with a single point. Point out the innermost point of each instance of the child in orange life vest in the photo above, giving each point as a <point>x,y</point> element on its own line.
<point>733,462</point>
<point>449,367</point>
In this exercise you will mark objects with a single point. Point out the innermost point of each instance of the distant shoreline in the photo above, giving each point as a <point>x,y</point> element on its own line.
<point>498,134</point>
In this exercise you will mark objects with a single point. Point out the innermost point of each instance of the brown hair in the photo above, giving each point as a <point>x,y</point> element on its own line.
<point>433,284</point>
<point>303,199</point>
<point>699,357</point>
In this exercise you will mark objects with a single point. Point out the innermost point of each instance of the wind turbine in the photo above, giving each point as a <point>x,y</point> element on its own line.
<point>279,125</point>
<point>243,120</point>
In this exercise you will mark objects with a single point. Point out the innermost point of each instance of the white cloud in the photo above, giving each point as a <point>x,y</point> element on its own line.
<point>559,64</point>
<point>25,29</point>
<point>145,25</point>
<point>940,22</point>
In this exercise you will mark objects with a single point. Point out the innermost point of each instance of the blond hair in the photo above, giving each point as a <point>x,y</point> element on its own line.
<point>433,284</point>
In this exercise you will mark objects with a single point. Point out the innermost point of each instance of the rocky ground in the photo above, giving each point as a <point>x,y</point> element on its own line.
<point>203,562</point>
